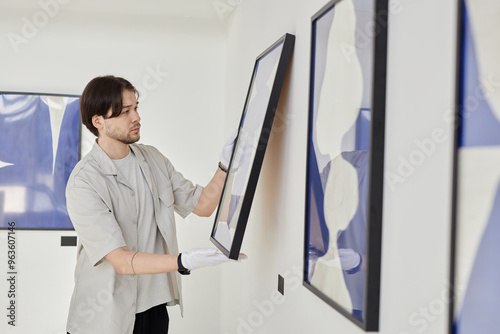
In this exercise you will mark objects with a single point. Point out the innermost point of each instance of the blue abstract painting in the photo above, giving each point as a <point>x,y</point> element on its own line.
<point>339,156</point>
<point>477,274</point>
<point>39,147</point>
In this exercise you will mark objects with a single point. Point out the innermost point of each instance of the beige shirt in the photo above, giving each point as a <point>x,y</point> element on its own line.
<point>152,290</point>
<point>103,209</point>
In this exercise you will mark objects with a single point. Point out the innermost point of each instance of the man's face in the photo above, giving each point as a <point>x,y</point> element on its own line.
<point>124,128</point>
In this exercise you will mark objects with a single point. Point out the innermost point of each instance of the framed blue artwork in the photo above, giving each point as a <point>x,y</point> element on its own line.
<point>475,275</point>
<point>250,146</point>
<point>39,136</point>
<point>345,157</point>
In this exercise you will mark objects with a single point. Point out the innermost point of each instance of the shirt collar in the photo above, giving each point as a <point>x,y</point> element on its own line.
<point>137,152</point>
<point>106,164</point>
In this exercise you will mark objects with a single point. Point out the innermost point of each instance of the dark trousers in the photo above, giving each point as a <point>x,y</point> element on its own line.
<point>153,321</point>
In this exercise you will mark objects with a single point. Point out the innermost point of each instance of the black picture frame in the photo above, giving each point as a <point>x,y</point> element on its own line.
<point>248,154</point>
<point>456,140</point>
<point>475,207</point>
<point>33,176</point>
<point>368,319</point>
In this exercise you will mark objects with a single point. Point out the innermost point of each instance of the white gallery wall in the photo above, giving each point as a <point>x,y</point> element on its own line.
<point>178,64</point>
<point>193,75</point>
<point>416,225</point>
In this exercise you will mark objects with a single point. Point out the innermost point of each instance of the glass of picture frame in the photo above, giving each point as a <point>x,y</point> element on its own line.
<point>250,146</point>
<point>344,184</point>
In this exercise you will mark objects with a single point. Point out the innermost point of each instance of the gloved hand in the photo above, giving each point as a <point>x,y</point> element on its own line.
<point>227,150</point>
<point>349,259</point>
<point>204,257</point>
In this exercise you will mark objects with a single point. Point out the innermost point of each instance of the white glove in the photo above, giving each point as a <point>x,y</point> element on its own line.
<point>204,257</point>
<point>227,150</point>
<point>349,259</point>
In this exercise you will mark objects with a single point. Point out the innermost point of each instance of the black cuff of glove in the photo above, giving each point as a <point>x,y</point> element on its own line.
<point>182,270</point>
<point>357,268</point>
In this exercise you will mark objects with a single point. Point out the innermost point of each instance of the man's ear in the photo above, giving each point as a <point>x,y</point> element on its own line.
<point>97,121</point>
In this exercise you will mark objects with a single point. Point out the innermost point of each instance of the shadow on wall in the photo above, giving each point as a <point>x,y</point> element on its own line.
<point>273,169</point>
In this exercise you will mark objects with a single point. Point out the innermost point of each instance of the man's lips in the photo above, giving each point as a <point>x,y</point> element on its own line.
<point>136,129</point>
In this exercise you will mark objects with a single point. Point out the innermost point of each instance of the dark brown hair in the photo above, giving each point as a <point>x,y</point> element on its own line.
<point>99,95</point>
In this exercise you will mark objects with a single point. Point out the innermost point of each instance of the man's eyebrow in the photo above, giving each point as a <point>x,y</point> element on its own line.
<point>130,105</point>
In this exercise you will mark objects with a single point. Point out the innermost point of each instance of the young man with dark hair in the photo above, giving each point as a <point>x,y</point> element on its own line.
<point>121,199</point>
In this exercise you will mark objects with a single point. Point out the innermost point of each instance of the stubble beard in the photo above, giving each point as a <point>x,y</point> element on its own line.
<point>121,137</point>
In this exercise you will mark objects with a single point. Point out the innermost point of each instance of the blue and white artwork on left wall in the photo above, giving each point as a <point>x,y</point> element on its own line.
<point>39,147</point>
<point>477,274</point>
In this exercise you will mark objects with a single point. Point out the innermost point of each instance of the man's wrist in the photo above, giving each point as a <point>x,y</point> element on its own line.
<point>181,269</point>
<point>222,167</point>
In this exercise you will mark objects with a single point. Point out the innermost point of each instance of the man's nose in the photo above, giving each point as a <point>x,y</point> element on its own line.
<point>136,117</point>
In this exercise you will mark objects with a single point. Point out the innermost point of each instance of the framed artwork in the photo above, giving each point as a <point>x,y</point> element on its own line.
<point>345,157</point>
<point>250,146</point>
<point>475,276</point>
<point>39,136</point>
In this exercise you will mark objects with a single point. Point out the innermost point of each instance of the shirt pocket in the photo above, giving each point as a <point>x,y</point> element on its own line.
<point>166,196</point>
<point>166,216</point>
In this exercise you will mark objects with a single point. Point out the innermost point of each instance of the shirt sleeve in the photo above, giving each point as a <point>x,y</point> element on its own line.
<point>186,194</point>
<point>94,222</point>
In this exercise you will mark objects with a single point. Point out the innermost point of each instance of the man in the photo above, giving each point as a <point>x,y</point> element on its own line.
<point>121,199</point>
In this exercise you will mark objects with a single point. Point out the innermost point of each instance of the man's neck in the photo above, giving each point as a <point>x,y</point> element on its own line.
<point>114,149</point>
